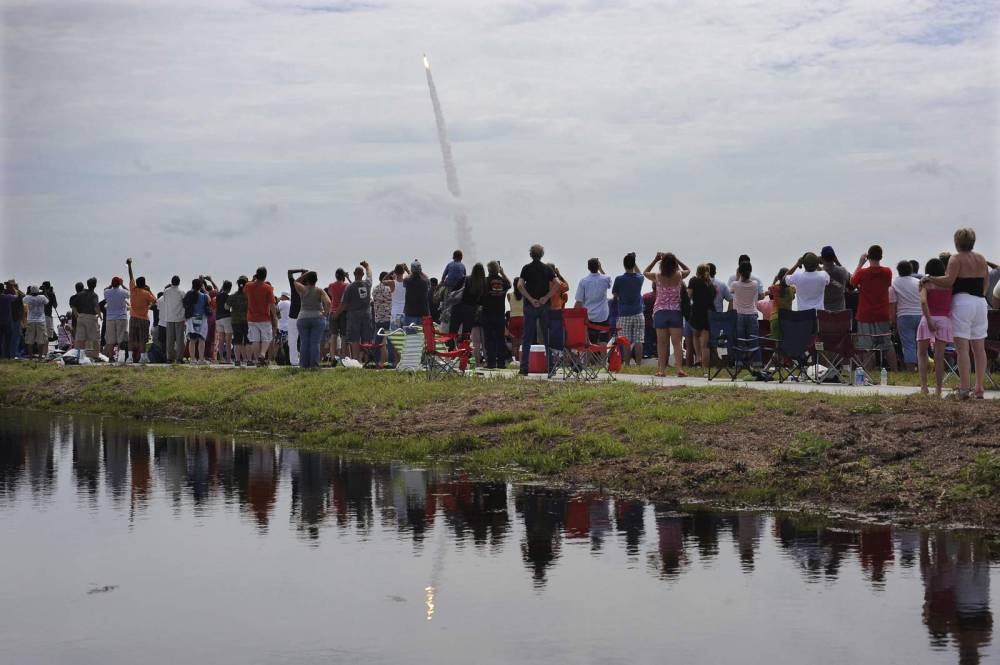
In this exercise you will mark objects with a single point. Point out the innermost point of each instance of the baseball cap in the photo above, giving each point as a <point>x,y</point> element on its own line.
<point>827,252</point>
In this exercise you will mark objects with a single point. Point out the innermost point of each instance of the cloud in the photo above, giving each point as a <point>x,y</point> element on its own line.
<point>930,167</point>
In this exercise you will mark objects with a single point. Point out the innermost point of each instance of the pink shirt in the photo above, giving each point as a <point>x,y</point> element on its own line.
<point>667,297</point>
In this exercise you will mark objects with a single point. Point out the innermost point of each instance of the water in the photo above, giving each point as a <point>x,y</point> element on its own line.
<point>125,544</point>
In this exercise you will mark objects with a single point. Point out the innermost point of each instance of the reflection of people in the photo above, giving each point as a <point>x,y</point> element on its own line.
<point>628,516</point>
<point>544,513</point>
<point>670,541</point>
<point>956,593</point>
<point>875,551</point>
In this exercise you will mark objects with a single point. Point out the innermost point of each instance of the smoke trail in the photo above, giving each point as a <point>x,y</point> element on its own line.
<point>463,233</point>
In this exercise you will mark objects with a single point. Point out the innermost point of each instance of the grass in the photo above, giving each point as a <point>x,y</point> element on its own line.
<point>721,442</point>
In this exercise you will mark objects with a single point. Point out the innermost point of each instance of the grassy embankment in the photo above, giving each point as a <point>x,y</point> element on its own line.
<point>928,459</point>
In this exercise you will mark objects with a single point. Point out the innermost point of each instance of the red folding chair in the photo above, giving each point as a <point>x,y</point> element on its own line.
<point>835,344</point>
<point>440,362</point>
<point>992,344</point>
<point>580,358</point>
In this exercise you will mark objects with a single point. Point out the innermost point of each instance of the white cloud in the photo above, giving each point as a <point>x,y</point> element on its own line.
<point>594,127</point>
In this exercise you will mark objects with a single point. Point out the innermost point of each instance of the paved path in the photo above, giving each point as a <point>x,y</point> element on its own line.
<point>690,381</point>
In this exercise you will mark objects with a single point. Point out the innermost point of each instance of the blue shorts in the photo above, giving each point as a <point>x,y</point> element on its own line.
<point>667,318</point>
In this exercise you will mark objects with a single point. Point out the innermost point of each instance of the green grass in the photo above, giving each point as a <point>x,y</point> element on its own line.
<point>500,418</point>
<point>807,449</point>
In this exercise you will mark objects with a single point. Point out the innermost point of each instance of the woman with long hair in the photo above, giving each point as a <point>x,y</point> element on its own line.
<point>463,312</point>
<point>236,304</point>
<point>701,290</point>
<point>935,325</point>
<point>667,319</point>
<point>968,277</point>
<point>515,323</point>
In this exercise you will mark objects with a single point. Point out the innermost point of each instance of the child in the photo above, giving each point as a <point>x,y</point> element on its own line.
<point>935,325</point>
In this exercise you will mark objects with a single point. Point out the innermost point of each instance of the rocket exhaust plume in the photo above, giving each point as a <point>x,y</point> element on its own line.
<point>463,234</point>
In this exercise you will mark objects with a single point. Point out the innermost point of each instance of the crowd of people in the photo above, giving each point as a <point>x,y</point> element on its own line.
<point>919,311</point>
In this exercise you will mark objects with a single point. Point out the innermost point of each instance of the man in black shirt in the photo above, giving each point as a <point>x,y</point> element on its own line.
<point>537,284</point>
<point>417,303</point>
<point>86,307</point>
<point>53,304</point>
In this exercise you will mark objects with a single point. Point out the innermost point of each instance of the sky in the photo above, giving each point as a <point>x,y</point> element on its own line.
<point>211,137</point>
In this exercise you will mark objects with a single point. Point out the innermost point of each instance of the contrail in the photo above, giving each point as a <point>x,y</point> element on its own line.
<point>463,234</point>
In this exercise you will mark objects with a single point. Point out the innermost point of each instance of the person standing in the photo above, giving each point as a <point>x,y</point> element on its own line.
<point>874,316</point>
<point>284,307</point>
<point>667,318</point>
<point>237,305</point>
<point>7,299</point>
<point>261,316</point>
<point>744,292</point>
<point>355,307</point>
<point>312,318</point>
<point>557,331</point>
<point>968,277</point>
<point>454,273</point>
<point>515,321</point>
<point>196,321</point>
<point>494,299</point>
<point>295,305</point>
<point>36,337</point>
<point>935,325</point>
<point>753,278</point>
<point>810,285</point>
<point>834,295</point>
<point>116,319</point>
<point>906,311</point>
<point>338,323</point>
<point>463,312</point>
<point>53,304</point>
<point>417,289</point>
<point>224,325</point>
<point>398,290</point>
<point>140,300</point>
<point>592,293</point>
<point>172,314</point>
<point>701,290</point>
<point>627,290</point>
<point>538,284</point>
<point>382,313</point>
<point>87,309</point>
<point>722,294</point>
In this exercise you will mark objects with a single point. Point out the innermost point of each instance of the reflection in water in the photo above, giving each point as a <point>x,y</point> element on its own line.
<point>128,468</point>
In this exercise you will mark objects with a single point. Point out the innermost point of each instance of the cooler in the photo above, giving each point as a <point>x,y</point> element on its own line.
<point>537,362</point>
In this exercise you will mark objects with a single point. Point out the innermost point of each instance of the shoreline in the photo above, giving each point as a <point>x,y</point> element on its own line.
<point>906,460</point>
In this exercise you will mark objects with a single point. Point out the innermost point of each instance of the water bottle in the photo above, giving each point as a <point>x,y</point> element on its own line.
<point>859,376</point>
<point>883,379</point>
<point>722,345</point>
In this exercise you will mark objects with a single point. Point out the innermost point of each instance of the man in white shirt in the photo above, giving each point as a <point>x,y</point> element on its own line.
<point>36,336</point>
<point>172,313</point>
<point>904,299</point>
<point>592,293</point>
<point>810,285</point>
<point>116,318</point>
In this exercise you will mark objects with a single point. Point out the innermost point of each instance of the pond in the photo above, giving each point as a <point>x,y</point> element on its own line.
<point>125,543</point>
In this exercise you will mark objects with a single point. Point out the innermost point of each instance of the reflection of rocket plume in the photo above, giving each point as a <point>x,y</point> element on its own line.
<point>463,234</point>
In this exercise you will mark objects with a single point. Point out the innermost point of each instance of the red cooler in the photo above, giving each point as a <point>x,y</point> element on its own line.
<point>537,362</point>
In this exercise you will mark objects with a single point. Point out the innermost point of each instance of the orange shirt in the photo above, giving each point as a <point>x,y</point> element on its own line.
<point>139,302</point>
<point>559,300</point>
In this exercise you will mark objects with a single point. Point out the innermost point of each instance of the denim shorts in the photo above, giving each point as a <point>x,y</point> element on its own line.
<point>667,318</point>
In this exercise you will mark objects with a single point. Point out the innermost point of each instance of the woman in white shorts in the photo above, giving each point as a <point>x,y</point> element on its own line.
<point>968,277</point>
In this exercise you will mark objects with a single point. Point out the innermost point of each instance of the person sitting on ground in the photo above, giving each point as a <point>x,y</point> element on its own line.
<point>905,310</point>
<point>935,325</point>
<point>874,316</point>
<point>834,299</point>
<point>196,321</point>
<point>237,305</point>
<point>382,312</point>
<point>782,296</point>
<point>497,286</point>
<point>744,293</point>
<point>538,285</point>
<point>262,316</point>
<point>356,308</point>
<point>312,320</point>
<point>454,273</point>
<point>224,352</point>
<point>810,285</point>
<point>116,321</point>
<point>592,293</point>
<point>86,307</point>
<point>338,324</point>
<point>701,290</point>
<point>64,334</point>
<point>140,300</point>
<point>968,277</point>
<point>667,318</point>
<point>631,324</point>
<point>36,336</point>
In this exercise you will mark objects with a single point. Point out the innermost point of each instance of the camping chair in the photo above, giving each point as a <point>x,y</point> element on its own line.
<point>409,348</point>
<point>735,353</point>
<point>438,361</point>
<point>579,358</point>
<point>373,350</point>
<point>835,345</point>
<point>992,344</point>
<point>791,354</point>
<point>862,356</point>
